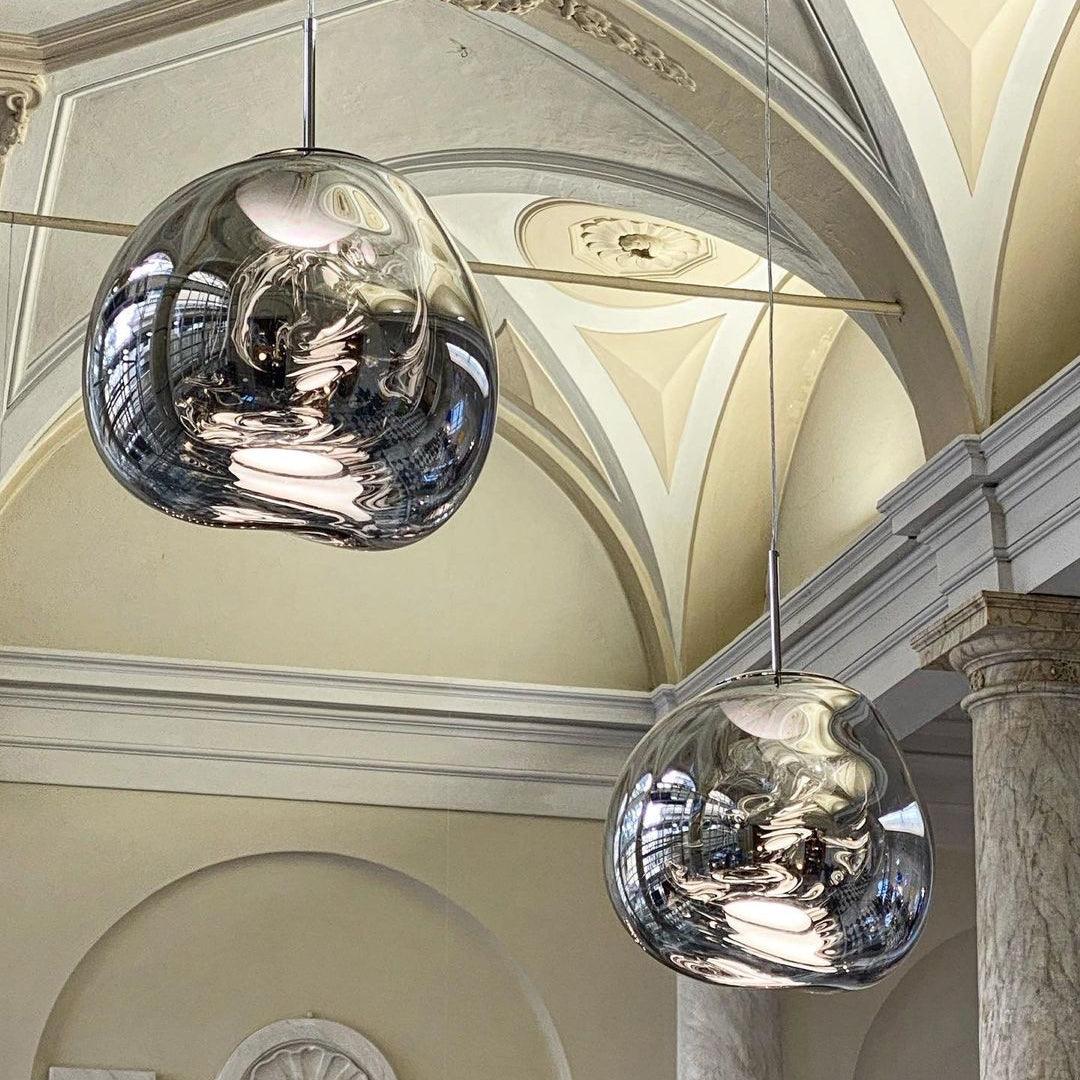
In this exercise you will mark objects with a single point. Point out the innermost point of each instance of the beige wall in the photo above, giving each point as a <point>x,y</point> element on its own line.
<point>725,586</point>
<point>516,587</point>
<point>156,931</point>
<point>858,439</point>
<point>1037,326</point>
<point>921,1023</point>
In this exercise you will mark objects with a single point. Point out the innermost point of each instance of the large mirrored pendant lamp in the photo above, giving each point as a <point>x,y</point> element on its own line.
<point>767,833</point>
<point>292,342</point>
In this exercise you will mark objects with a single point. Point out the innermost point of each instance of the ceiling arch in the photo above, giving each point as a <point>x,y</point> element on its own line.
<point>494,117</point>
<point>151,585</point>
<point>1039,255</point>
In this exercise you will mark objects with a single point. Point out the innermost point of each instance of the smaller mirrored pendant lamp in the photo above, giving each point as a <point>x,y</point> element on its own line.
<point>767,833</point>
<point>292,342</point>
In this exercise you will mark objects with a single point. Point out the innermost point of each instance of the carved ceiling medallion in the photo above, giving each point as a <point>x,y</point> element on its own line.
<point>638,248</point>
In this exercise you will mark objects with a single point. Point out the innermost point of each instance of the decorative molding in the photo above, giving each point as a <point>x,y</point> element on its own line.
<point>63,1072</point>
<point>1000,511</point>
<point>117,28</point>
<point>306,1050</point>
<point>599,24</point>
<point>502,7</point>
<point>21,88</point>
<point>123,27</point>
<point>173,725</point>
<point>638,248</point>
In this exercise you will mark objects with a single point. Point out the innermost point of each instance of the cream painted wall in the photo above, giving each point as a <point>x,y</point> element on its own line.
<point>925,1014</point>
<point>726,581</point>
<point>858,439</point>
<point>939,996</point>
<point>1037,325</point>
<point>156,930</point>
<point>516,587</point>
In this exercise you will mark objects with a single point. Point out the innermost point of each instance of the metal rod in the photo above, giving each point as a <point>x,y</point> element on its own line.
<point>775,644</point>
<point>67,224</point>
<point>682,288</point>
<point>887,308</point>
<point>310,35</point>
<point>775,634</point>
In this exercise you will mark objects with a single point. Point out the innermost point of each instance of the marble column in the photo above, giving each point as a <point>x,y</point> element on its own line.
<point>727,1033</point>
<point>1021,656</point>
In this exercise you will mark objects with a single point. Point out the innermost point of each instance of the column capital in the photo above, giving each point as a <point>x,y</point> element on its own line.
<point>1007,641</point>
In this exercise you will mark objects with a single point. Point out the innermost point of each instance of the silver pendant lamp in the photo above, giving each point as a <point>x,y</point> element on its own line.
<point>292,342</point>
<point>767,833</point>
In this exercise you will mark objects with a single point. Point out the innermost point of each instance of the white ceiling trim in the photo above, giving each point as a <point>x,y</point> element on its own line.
<point>105,721</point>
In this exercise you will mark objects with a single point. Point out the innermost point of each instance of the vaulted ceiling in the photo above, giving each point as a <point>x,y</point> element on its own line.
<point>611,138</point>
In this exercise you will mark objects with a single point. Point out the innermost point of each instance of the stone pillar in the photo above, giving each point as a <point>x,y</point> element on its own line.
<point>1021,656</point>
<point>727,1033</point>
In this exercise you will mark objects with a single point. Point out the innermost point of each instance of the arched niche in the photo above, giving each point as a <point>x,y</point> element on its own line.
<point>175,984</point>
<point>928,1027</point>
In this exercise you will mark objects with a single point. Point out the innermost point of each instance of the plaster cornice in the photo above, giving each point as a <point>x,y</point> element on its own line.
<point>116,29</point>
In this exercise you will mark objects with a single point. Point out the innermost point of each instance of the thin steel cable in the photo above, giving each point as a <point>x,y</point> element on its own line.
<point>771,277</point>
<point>773,576</point>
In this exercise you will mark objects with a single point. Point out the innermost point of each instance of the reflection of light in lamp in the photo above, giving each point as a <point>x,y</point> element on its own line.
<point>296,476</point>
<point>778,930</point>
<point>907,819</point>
<point>288,208</point>
<point>774,914</point>
<point>468,362</point>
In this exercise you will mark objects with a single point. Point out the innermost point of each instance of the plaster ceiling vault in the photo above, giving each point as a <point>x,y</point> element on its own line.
<point>610,138</point>
<point>966,50</point>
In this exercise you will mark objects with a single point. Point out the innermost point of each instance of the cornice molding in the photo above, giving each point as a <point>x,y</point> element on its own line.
<point>94,720</point>
<point>118,28</point>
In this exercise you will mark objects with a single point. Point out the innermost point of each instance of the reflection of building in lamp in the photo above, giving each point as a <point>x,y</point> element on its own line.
<point>768,835</point>
<point>292,342</point>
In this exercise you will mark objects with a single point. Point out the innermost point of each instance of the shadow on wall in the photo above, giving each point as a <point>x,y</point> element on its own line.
<point>184,976</point>
<point>913,1037</point>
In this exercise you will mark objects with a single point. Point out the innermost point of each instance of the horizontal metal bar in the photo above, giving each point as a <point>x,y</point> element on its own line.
<point>684,288</point>
<point>889,308</point>
<point>66,224</point>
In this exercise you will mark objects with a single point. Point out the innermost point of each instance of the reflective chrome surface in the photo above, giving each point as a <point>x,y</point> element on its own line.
<point>292,342</point>
<point>770,837</point>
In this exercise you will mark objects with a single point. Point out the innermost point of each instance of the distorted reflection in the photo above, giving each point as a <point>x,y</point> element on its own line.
<point>770,837</point>
<point>292,342</point>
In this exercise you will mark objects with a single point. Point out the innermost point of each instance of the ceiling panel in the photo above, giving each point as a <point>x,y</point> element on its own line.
<point>30,16</point>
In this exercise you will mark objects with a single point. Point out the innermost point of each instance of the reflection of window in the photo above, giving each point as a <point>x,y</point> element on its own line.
<point>143,357</point>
